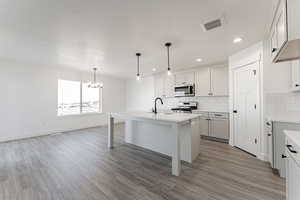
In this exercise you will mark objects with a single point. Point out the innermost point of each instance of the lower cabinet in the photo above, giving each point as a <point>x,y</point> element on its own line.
<point>292,175</point>
<point>279,144</point>
<point>292,179</point>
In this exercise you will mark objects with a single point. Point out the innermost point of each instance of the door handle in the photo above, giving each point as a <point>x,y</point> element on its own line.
<point>234,111</point>
<point>290,148</point>
<point>296,85</point>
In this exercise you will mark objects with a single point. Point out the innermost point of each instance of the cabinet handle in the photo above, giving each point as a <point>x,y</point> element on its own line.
<point>283,156</point>
<point>274,49</point>
<point>290,148</point>
<point>297,85</point>
<point>235,111</point>
<point>269,134</point>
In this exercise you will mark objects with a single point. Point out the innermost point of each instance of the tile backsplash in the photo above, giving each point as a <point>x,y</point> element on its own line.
<point>282,103</point>
<point>217,104</point>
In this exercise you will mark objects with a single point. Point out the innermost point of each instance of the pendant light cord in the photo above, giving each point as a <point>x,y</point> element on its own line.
<point>95,69</point>
<point>138,63</point>
<point>168,49</point>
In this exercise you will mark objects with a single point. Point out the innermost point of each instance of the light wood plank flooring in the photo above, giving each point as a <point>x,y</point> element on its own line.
<point>78,165</point>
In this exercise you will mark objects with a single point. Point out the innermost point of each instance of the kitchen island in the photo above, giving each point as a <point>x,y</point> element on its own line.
<point>174,134</point>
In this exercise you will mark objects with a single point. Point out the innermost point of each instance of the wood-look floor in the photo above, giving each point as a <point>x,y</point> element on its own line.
<point>78,165</point>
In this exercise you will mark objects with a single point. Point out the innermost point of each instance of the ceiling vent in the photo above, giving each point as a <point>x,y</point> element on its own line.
<point>214,24</point>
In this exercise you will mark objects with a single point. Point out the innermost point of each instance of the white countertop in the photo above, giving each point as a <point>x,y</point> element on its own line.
<point>286,118</point>
<point>294,136</point>
<point>162,117</point>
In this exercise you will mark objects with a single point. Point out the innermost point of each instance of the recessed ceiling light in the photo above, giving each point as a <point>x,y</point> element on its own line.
<point>154,69</point>
<point>237,40</point>
<point>199,59</point>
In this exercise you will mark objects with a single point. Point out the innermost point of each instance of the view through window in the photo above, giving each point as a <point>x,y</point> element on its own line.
<point>75,97</point>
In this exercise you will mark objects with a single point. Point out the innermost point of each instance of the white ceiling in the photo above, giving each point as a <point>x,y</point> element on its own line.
<point>108,33</point>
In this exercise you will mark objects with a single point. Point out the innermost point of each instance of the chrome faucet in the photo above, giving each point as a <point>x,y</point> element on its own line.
<point>155,107</point>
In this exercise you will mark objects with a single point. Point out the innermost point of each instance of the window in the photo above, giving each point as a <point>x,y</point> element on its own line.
<point>75,97</point>
<point>90,99</point>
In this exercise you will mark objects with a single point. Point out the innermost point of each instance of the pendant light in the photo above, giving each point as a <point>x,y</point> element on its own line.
<point>94,83</point>
<point>168,44</point>
<point>138,66</point>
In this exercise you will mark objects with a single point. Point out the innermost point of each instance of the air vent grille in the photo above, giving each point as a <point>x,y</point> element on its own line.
<point>212,24</point>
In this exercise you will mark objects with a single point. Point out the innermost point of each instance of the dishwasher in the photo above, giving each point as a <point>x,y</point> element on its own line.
<point>219,125</point>
<point>214,125</point>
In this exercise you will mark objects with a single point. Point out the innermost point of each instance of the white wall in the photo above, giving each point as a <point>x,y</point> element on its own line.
<point>140,94</point>
<point>29,99</point>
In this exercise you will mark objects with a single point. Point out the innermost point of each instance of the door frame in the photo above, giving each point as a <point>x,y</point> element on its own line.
<point>257,96</point>
<point>253,54</point>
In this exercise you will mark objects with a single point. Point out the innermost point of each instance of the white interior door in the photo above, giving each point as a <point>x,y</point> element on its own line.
<point>246,105</point>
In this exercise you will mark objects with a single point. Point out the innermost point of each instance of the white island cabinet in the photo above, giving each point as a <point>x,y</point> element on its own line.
<point>292,145</point>
<point>176,135</point>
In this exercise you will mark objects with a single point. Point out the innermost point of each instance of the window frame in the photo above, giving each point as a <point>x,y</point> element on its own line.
<point>100,111</point>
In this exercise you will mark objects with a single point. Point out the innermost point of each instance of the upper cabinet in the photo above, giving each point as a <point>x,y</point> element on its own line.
<point>164,85</point>
<point>219,81</point>
<point>185,78</point>
<point>169,86</point>
<point>202,82</point>
<point>212,81</point>
<point>296,75</point>
<point>285,31</point>
<point>209,81</point>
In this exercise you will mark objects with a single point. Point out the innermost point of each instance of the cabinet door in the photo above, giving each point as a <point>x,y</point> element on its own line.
<point>159,86</point>
<point>203,126</point>
<point>202,82</point>
<point>292,179</point>
<point>296,75</point>
<point>169,86</point>
<point>281,24</point>
<point>219,128</point>
<point>274,43</point>
<point>219,81</point>
<point>185,78</point>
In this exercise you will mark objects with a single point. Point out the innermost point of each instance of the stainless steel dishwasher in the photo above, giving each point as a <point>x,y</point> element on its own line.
<point>214,125</point>
<point>219,125</point>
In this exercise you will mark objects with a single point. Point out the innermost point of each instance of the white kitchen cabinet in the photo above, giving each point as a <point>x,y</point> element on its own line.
<point>212,81</point>
<point>292,172</point>
<point>204,123</point>
<point>292,179</point>
<point>296,76</point>
<point>204,126</point>
<point>169,85</point>
<point>202,82</point>
<point>164,86</point>
<point>159,84</point>
<point>285,31</point>
<point>185,78</point>
<point>219,81</point>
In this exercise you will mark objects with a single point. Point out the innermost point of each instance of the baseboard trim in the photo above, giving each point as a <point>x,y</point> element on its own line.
<point>54,133</point>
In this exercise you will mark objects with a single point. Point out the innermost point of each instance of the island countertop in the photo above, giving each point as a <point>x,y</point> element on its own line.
<point>162,117</point>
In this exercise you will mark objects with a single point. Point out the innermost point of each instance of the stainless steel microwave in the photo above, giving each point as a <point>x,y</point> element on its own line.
<point>185,91</point>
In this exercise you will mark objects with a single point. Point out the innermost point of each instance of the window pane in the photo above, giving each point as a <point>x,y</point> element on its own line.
<point>68,97</point>
<point>90,99</point>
